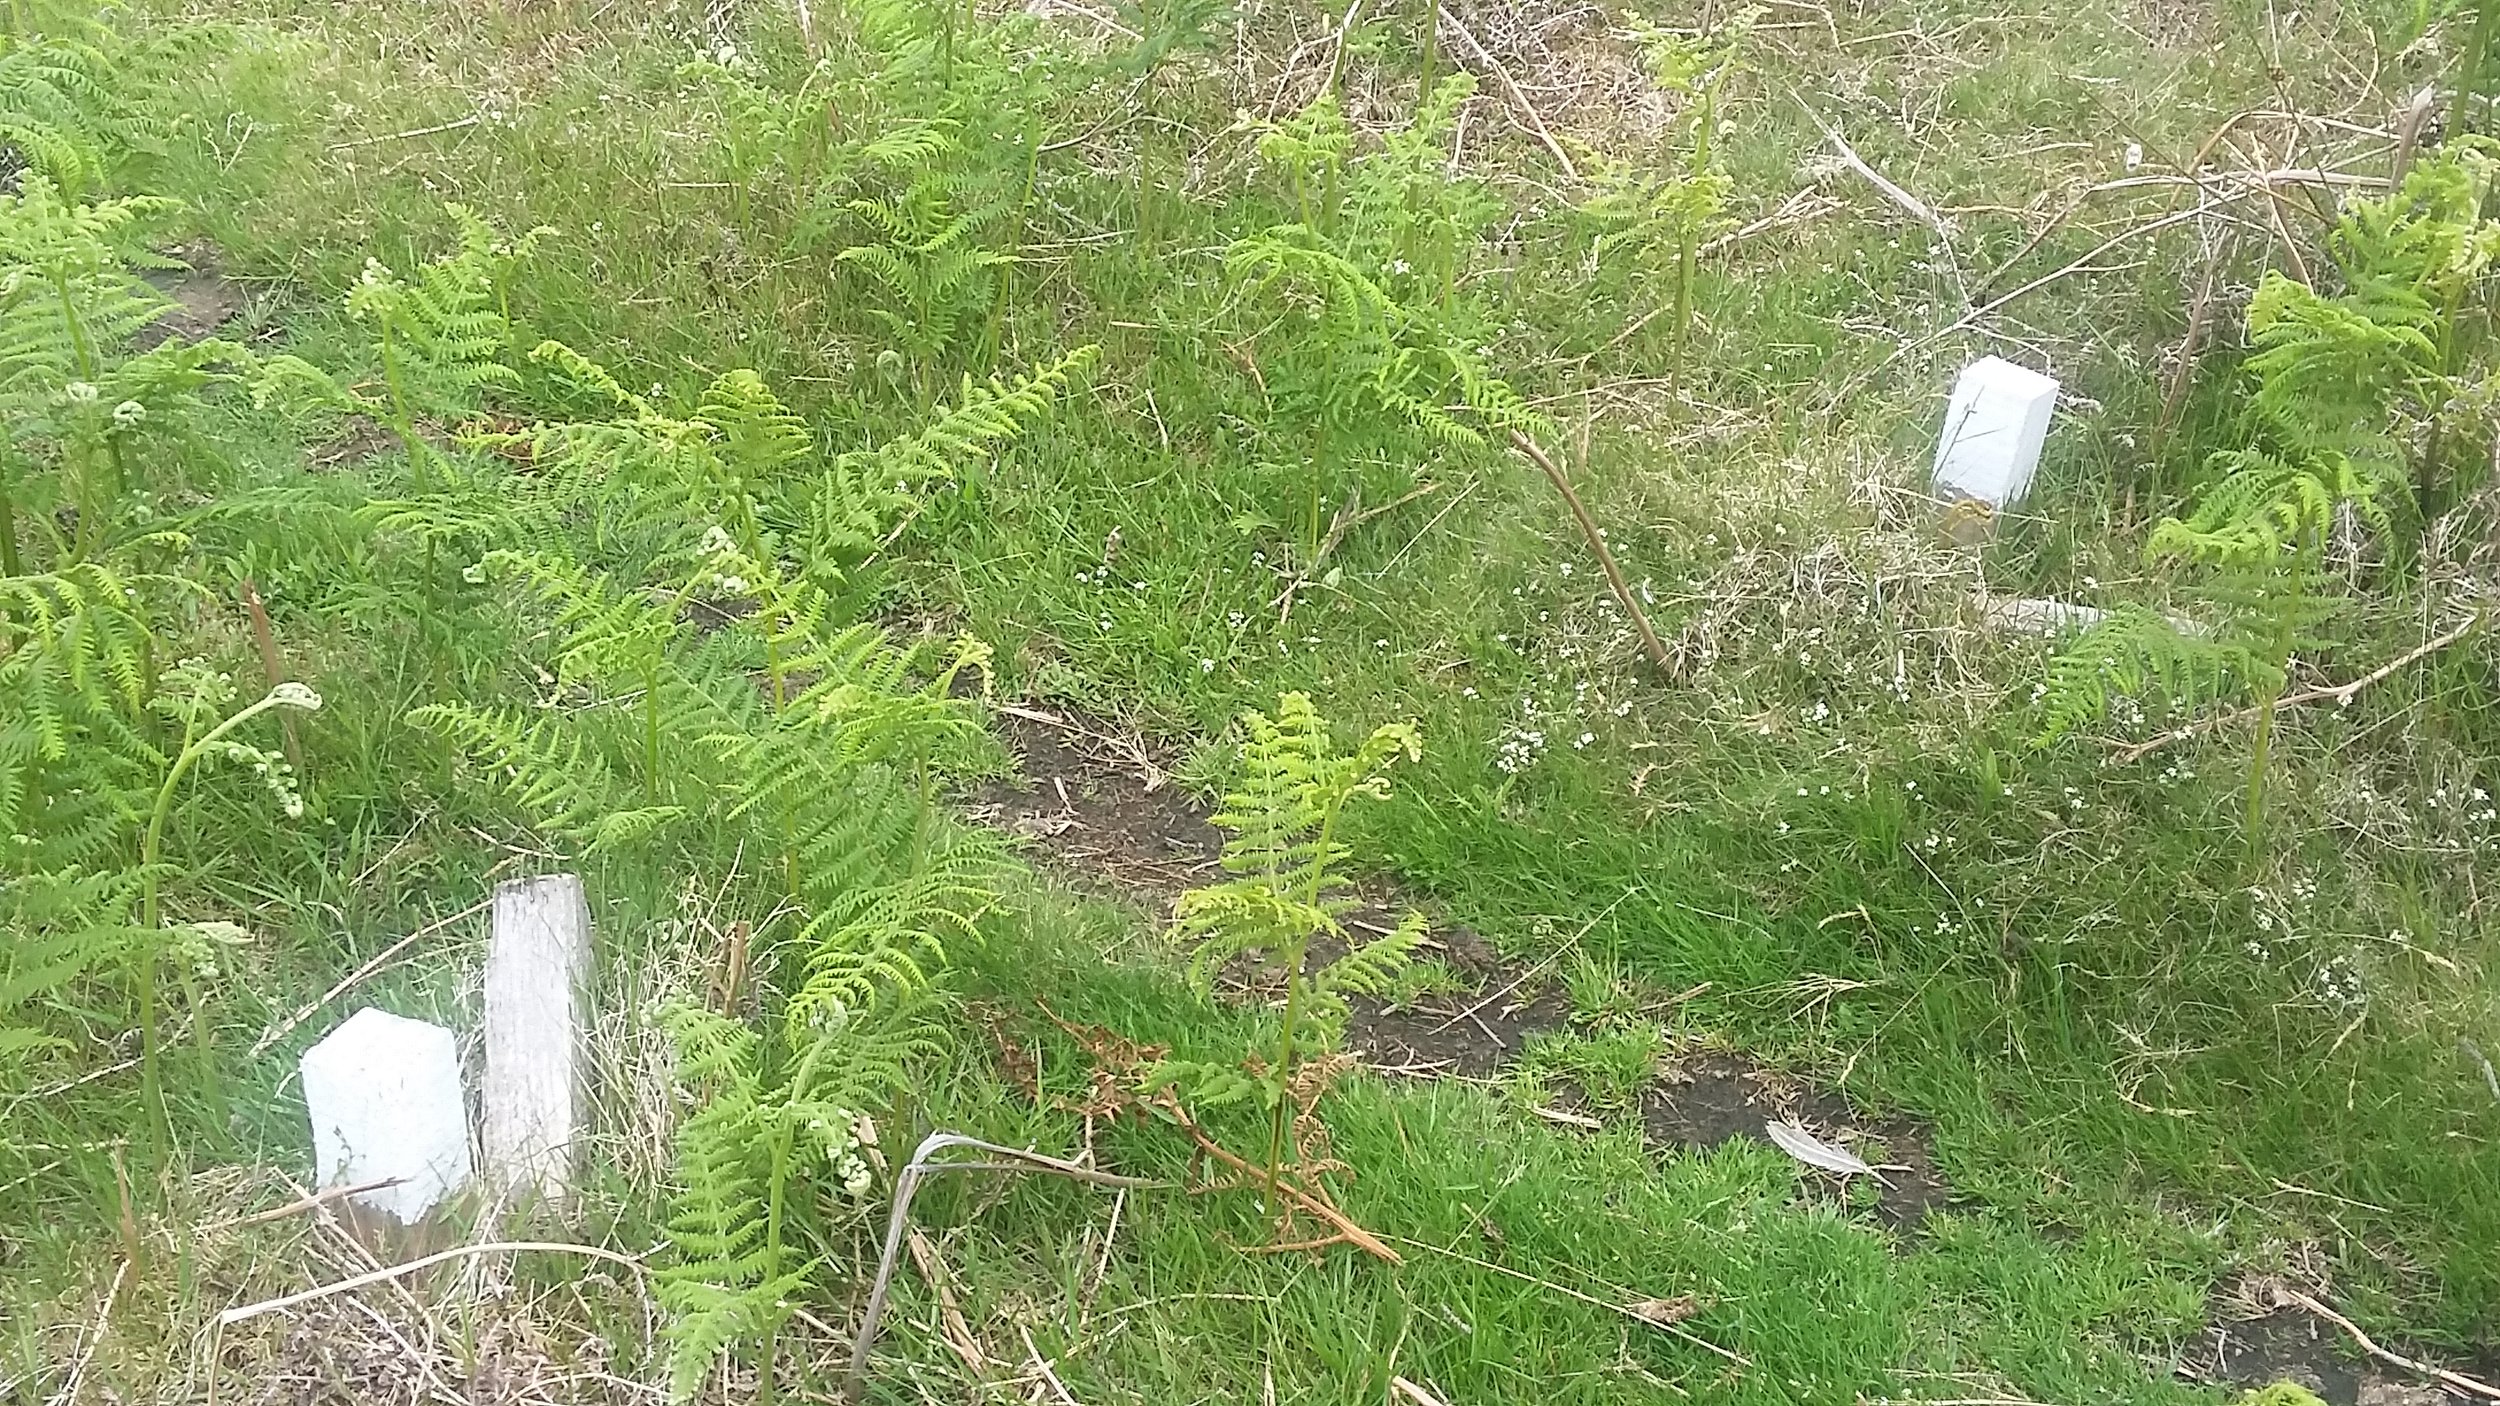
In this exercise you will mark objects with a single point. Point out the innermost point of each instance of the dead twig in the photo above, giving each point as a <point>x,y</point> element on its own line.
<point>2471,1386</point>
<point>1650,1320</point>
<point>300,1205</point>
<point>2341,693</point>
<point>1519,105</point>
<point>1597,544</point>
<point>907,1185</point>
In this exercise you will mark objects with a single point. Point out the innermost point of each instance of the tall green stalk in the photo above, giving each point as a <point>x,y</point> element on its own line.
<point>9,563</point>
<point>1294,982</point>
<point>194,746</point>
<point>2253,815</point>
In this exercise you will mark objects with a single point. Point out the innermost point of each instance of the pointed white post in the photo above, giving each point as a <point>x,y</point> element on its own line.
<point>384,1095</point>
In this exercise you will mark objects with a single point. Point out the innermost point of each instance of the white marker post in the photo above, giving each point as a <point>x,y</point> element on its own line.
<point>1993,430</point>
<point>384,1095</point>
<point>535,1104</point>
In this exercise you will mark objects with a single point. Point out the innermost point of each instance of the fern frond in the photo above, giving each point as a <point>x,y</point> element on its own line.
<point>1372,968</point>
<point>551,769</point>
<point>723,1284</point>
<point>2127,654</point>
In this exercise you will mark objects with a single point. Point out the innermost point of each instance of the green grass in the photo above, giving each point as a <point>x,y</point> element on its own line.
<point>1835,823</point>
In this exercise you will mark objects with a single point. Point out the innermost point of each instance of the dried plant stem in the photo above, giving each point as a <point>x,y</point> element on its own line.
<point>1592,1300</point>
<point>2200,318</point>
<point>1347,1230</point>
<point>300,1205</point>
<point>2339,693</point>
<point>232,1316</point>
<point>1597,544</point>
<point>265,642</point>
<point>1518,104</point>
<point>2458,1381</point>
<point>906,1186</point>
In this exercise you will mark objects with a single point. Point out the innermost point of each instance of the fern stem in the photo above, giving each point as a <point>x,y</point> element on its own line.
<point>994,337</point>
<point>2254,815</point>
<point>1295,980</point>
<point>9,563</point>
<point>81,347</point>
<point>651,733</point>
<point>1432,52</point>
<point>404,423</point>
<point>1284,1068</point>
<point>193,747</point>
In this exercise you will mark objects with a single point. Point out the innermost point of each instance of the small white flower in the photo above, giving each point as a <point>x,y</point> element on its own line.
<point>129,413</point>
<point>297,695</point>
<point>1206,666</point>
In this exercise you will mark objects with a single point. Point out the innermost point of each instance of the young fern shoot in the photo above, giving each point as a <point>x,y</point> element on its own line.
<point>2331,378</point>
<point>1287,894</point>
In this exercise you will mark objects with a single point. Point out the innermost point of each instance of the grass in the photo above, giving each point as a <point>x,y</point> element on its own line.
<point>2128,1036</point>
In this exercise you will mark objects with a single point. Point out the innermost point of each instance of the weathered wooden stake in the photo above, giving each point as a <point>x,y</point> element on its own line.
<point>535,1104</point>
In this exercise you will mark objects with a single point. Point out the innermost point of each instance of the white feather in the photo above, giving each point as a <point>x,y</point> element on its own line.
<point>1814,1152</point>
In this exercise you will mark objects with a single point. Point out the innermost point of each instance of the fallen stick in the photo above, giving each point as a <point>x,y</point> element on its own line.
<point>1518,101</point>
<point>300,1205</point>
<point>2341,693</point>
<point>2469,1385</point>
<point>907,1185</point>
<point>1591,1300</point>
<point>1597,543</point>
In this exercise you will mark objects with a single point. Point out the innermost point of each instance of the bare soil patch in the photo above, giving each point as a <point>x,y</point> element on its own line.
<point>1097,805</point>
<point>205,299</point>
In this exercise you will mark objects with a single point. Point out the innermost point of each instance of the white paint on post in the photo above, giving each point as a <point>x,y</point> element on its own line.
<point>384,1095</point>
<point>535,1105</point>
<point>1993,430</point>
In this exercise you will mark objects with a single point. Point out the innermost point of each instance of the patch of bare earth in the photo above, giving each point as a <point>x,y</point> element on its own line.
<point>204,299</point>
<point>1097,805</point>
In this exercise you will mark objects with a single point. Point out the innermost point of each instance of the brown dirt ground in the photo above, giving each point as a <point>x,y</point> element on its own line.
<point>205,299</point>
<point>1096,803</point>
